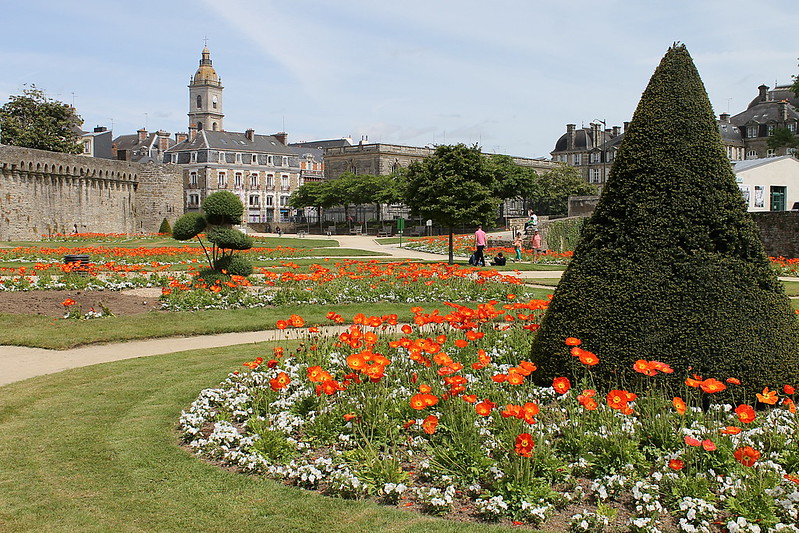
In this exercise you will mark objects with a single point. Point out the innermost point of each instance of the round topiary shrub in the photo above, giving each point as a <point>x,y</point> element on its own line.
<point>223,207</point>
<point>229,238</point>
<point>188,226</point>
<point>234,265</point>
<point>210,276</point>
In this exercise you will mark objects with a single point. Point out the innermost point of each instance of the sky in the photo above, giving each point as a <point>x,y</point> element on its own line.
<point>506,75</point>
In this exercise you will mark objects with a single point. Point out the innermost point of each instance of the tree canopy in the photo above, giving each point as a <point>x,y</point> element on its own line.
<point>453,186</point>
<point>670,267</point>
<point>31,120</point>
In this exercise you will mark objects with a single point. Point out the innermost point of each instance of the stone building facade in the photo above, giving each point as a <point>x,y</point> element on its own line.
<point>44,193</point>
<point>260,169</point>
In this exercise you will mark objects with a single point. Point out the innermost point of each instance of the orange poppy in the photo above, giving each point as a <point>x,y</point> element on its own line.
<point>429,424</point>
<point>561,385</point>
<point>676,464</point>
<point>282,324</point>
<point>588,358</point>
<point>790,403</point>
<point>691,441</point>
<point>514,378</point>
<point>745,413</point>
<point>644,367</point>
<point>747,455</point>
<point>712,386</point>
<point>791,477</point>
<point>617,399</point>
<point>461,343</point>
<point>573,341</point>
<point>356,361</point>
<point>679,405</point>
<point>731,430</point>
<point>733,381</point>
<point>471,398</point>
<point>485,407</point>
<point>708,445</point>
<point>524,445</point>
<point>768,397</point>
<point>349,416</point>
<point>281,381</point>
<point>788,389</point>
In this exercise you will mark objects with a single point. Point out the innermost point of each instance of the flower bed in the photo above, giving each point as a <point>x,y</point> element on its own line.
<point>441,416</point>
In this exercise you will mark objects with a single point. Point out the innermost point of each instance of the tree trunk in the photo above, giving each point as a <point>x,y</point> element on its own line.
<point>451,243</point>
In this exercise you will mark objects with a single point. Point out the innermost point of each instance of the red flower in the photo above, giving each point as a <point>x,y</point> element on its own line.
<point>573,341</point>
<point>747,455</point>
<point>485,407</point>
<point>788,389</point>
<point>745,413</point>
<point>708,445</point>
<point>429,424</point>
<point>711,386</point>
<point>524,445</point>
<point>731,430</point>
<point>280,382</point>
<point>690,441</point>
<point>679,405</point>
<point>561,385</point>
<point>676,464</point>
<point>587,358</point>
<point>769,397</point>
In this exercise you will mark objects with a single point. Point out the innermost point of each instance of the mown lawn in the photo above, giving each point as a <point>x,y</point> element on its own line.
<point>96,449</point>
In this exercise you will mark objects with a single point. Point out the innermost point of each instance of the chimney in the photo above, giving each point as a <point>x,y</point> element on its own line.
<point>616,130</point>
<point>192,132</point>
<point>123,155</point>
<point>570,136</point>
<point>100,129</point>
<point>763,92</point>
<point>281,136</point>
<point>250,134</point>
<point>626,125</point>
<point>724,118</point>
<point>784,110</point>
<point>163,140</point>
<point>181,137</point>
<point>142,135</point>
<point>596,138</point>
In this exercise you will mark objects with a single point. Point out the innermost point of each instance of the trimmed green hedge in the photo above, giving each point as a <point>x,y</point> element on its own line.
<point>564,234</point>
<point>670,266</point>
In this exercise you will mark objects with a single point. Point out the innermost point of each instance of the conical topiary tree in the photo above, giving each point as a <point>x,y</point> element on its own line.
<point>670,267</point>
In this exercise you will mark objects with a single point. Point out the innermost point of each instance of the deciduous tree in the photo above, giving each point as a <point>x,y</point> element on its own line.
<point>32,120</point>
<point>453,186</point>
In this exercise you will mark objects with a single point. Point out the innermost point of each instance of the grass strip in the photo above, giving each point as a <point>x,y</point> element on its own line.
<point>109,460</point>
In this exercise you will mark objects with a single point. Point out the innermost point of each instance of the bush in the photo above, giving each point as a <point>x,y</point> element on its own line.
<point>235,265</point>
<point>230,239</point>
<point>188,226</point>
<point>563,235</point>
<point>223,207</point>
<point>165,228</point>
<point>670,266</point>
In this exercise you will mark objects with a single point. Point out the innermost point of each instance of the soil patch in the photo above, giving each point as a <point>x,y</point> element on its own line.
<point>49,303</point>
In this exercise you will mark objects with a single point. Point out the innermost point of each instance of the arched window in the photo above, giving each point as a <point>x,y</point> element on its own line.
<point>199,126</point>
<point>213,102</point>
<point>213,126</point>
<point>199,102</point>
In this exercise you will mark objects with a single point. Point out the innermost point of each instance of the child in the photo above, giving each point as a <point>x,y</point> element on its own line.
<point>517,244</point>
<point>536,243</point>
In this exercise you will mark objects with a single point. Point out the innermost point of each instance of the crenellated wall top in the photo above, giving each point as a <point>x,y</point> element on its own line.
<point>30,161</point>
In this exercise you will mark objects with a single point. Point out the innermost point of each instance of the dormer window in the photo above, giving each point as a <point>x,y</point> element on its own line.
<point>792,127</point>
<point>751,131</point>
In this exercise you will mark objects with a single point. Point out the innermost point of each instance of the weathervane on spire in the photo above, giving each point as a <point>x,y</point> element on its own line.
<point>205,41</point>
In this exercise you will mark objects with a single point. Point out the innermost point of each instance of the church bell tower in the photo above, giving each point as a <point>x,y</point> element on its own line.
<point>205,97</point>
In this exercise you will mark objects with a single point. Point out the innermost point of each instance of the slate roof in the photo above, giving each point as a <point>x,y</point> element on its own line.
<point>229,141</point>
<point>330,143</point>
<point>739,166</point>
<point>763,113</point>
<point>780,92</point>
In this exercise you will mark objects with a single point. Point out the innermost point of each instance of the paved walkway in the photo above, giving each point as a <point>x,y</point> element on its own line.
<point>18,362</point>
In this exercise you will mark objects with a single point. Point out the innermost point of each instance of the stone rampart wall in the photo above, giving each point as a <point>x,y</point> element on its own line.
<point>779,231</point>
<point>47,192</point>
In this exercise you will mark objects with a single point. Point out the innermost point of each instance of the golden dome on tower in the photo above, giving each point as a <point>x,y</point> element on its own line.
<point>206,72</point>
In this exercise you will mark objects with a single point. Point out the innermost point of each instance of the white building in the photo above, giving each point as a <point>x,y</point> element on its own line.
<point>770,184</point>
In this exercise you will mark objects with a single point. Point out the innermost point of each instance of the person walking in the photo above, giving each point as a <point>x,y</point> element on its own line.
<point>536,243</point>
<point>479,243</point>
<point>517,245</point>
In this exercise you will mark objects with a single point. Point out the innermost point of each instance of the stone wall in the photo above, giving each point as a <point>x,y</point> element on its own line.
<point>582,206</point>
<point>47,192</point>
<point>779,231</point>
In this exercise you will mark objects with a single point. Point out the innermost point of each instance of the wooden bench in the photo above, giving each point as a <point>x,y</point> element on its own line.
<point>356,230</point>
<point>418,231</point>
<point>301,233</point>
<point>385,231</point>
<point>331,230</point>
